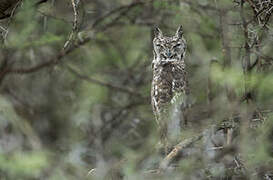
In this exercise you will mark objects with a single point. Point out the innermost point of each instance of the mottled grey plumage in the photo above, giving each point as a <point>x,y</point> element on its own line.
<point>169,85</point>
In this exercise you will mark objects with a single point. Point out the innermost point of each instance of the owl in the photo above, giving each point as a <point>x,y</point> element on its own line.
<point>169,84</point>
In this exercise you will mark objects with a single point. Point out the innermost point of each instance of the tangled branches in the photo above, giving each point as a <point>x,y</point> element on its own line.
<point>262,10</point>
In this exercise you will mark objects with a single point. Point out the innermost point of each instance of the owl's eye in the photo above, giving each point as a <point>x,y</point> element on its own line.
<point>177,45</point>
<point>158,45</point>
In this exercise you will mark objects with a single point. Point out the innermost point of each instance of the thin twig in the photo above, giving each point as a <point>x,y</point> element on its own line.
<point>75,25</point>
<point>101,83</point>
<point>55,60</point>
<point>10,18</point>
<point>54,17</point>
<point>126,7</point>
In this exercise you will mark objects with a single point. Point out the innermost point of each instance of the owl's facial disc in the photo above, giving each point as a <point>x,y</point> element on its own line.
<point>169,48</point>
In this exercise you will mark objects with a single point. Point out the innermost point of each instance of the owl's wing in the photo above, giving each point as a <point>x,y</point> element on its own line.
<point>153,100</point>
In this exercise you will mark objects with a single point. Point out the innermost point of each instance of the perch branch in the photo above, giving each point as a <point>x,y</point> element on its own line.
<point>178,148</point>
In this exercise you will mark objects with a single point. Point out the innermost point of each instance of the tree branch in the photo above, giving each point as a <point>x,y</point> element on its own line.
<point>75,25</point>
<point>178,148</point>
<point>106,84</point>
<point>126,7</point>
<point>55,60</point>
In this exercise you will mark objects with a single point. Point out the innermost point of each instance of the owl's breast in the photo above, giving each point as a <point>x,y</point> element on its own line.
<point>169,79</point>
<point>162,86</point>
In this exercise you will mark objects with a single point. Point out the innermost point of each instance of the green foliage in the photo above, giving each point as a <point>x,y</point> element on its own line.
<point>260,153</point>
<point>22,165</point>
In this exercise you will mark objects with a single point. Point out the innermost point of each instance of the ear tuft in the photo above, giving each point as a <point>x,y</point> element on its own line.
<point>179,32</point>
<point>157,32</point>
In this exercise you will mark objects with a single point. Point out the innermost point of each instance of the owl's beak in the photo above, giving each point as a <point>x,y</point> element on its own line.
<point>168,54</point>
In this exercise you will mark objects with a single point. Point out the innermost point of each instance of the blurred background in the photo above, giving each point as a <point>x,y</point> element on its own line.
<point>75,81</point>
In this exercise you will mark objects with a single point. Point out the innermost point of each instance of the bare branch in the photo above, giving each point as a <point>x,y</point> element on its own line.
<point>10,15</point>
<point>106,84</point>
<point>75,25</point>
<point>178,148</point>
<point>55,60</point>
<point>126,7</point>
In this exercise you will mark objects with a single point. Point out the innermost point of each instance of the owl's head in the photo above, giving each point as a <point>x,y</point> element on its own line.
<point>169,49</point>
